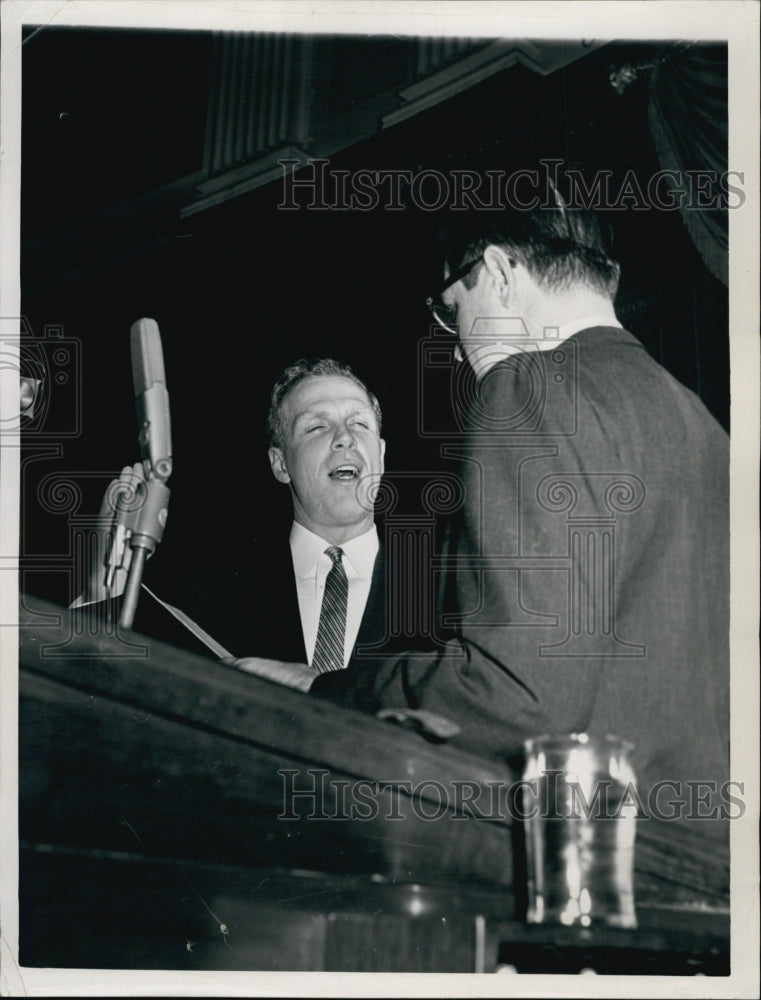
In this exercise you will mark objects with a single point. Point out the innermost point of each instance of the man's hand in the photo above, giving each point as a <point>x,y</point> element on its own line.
<point>292,675</point>
<point>111,555</point>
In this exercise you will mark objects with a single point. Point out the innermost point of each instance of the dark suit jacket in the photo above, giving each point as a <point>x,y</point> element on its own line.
<point>260,617</point>
<point>252,610</point>
<point>591,567</point>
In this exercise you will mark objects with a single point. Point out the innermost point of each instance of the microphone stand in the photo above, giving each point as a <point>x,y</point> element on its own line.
<point>147,532</point>
<point>148,518</point>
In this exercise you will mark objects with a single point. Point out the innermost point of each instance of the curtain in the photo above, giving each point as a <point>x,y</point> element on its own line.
<point>687,114</point>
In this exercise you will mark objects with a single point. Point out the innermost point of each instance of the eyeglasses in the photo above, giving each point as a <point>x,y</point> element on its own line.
<point>445,315</point>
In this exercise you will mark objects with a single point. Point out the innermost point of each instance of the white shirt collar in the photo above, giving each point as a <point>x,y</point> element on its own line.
<point>484,359</point>
<point>307,549</point>
<point>586,323</point>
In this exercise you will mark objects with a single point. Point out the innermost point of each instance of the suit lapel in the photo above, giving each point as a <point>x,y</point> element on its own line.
<point>372,630</point>
<point>262,610</point>
<point>286,617</point>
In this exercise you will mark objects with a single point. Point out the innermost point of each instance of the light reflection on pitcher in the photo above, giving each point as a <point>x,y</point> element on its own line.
<point>580,804</point>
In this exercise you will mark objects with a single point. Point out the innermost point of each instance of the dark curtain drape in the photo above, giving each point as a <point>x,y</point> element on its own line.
<point>688,121</point>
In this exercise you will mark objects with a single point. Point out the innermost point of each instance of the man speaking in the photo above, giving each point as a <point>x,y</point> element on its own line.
<point>325,444</point>
<point>307,599</point>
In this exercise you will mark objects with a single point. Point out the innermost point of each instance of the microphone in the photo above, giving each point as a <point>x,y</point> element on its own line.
<point>151,399</point>
<point>155,439</point>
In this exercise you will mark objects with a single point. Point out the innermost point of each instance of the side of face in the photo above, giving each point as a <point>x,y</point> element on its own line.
<point>331,456</point>
<point>482,311</point>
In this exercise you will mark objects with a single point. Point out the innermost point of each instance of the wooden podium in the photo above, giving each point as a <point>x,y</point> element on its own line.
<point>179,814</point>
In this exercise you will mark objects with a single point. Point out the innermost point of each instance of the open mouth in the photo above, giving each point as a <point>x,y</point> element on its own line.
<point>345,473</point>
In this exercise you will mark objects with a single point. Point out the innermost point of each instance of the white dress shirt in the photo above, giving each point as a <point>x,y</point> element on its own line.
<point>485,357</point>
<point>567,330</point>
<point>311,567</point>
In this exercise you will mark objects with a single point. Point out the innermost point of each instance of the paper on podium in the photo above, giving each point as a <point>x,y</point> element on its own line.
<point>216,648</point>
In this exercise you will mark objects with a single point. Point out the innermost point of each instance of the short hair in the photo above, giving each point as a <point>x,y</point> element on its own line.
<point>297,372</point>
<point>559,246</point>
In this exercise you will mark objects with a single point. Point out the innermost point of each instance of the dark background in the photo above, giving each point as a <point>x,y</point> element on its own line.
<point>242,289</point>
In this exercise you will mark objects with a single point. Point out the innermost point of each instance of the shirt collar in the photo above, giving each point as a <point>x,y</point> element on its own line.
<point>586,323</point>
<point>307,548</point>
<point>554,336</point>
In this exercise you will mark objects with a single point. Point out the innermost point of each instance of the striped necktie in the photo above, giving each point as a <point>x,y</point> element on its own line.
<point>329,645</point>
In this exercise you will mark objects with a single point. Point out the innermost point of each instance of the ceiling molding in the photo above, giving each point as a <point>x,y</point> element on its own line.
<point>242,179</point>
<point>540,57</point>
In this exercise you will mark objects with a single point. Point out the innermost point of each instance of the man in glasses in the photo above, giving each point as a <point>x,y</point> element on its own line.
<point>590,556</point>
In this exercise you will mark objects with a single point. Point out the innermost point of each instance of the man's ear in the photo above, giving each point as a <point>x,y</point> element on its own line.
<point>277,463</point>
<point>500,268</point>
<point>383,455</point>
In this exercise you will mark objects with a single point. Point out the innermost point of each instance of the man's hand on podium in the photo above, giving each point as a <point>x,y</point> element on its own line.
<point>292,675</point>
